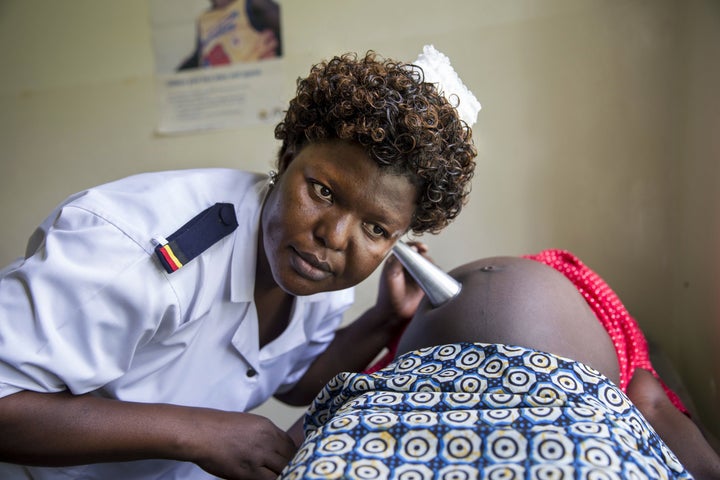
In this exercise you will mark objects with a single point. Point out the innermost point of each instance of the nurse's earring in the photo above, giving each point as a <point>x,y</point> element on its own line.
<point>272,178</point>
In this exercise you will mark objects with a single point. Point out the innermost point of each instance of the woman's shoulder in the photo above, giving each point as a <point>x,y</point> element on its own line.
<point>199,182</point>
<point>158,203</point>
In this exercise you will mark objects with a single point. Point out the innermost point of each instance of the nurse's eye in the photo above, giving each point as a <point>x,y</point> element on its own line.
<point>323,192</point>
<point>375,230</point>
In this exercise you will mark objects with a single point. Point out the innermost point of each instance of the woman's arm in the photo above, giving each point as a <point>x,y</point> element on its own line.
<point>56,429</point>
<point>676,429</point>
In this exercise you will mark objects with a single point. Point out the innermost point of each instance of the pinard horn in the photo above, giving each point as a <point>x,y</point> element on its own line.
<point>437,285</point>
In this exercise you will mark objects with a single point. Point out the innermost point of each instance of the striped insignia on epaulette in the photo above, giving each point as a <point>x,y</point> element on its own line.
<point>196,236</point>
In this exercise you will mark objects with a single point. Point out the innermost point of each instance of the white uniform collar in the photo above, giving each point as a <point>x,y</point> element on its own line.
<point>244,257</point>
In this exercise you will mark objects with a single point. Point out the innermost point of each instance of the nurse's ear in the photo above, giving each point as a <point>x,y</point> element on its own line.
<point>285,159</point>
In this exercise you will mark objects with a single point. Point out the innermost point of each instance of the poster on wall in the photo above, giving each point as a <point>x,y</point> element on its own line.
<point>219,63</point>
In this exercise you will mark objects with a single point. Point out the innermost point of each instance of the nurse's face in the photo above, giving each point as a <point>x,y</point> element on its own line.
<point>332,218</point>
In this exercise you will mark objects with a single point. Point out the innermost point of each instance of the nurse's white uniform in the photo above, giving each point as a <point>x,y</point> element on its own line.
<point>92,310</point>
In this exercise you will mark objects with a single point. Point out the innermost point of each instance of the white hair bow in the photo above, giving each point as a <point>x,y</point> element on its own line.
<point>437,69</point>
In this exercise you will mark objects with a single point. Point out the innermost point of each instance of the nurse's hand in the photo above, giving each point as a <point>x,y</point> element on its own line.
<point>239,446</point>
<point>398,293</point>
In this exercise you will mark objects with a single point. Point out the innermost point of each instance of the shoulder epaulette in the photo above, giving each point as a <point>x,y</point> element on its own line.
<point>196,236</point>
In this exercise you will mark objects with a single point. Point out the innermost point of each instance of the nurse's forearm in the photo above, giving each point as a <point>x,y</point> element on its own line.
<point>54,429</point>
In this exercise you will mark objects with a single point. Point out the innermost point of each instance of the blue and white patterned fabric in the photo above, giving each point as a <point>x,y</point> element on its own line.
<point>479,411</point>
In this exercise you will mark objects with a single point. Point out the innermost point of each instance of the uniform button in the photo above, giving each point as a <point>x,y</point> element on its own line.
<point>227,215</point>
<point>251,372</point>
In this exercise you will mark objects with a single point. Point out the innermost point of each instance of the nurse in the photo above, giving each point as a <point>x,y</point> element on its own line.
<point>149,315</point>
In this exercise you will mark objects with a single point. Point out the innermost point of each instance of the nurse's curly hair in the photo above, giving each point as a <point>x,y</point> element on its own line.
<point>403,123</point>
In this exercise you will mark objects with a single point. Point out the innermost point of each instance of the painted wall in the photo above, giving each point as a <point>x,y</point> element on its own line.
<point>598,134</point>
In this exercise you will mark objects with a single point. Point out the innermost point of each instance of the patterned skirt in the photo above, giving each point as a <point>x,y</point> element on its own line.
<point>479,411</point>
